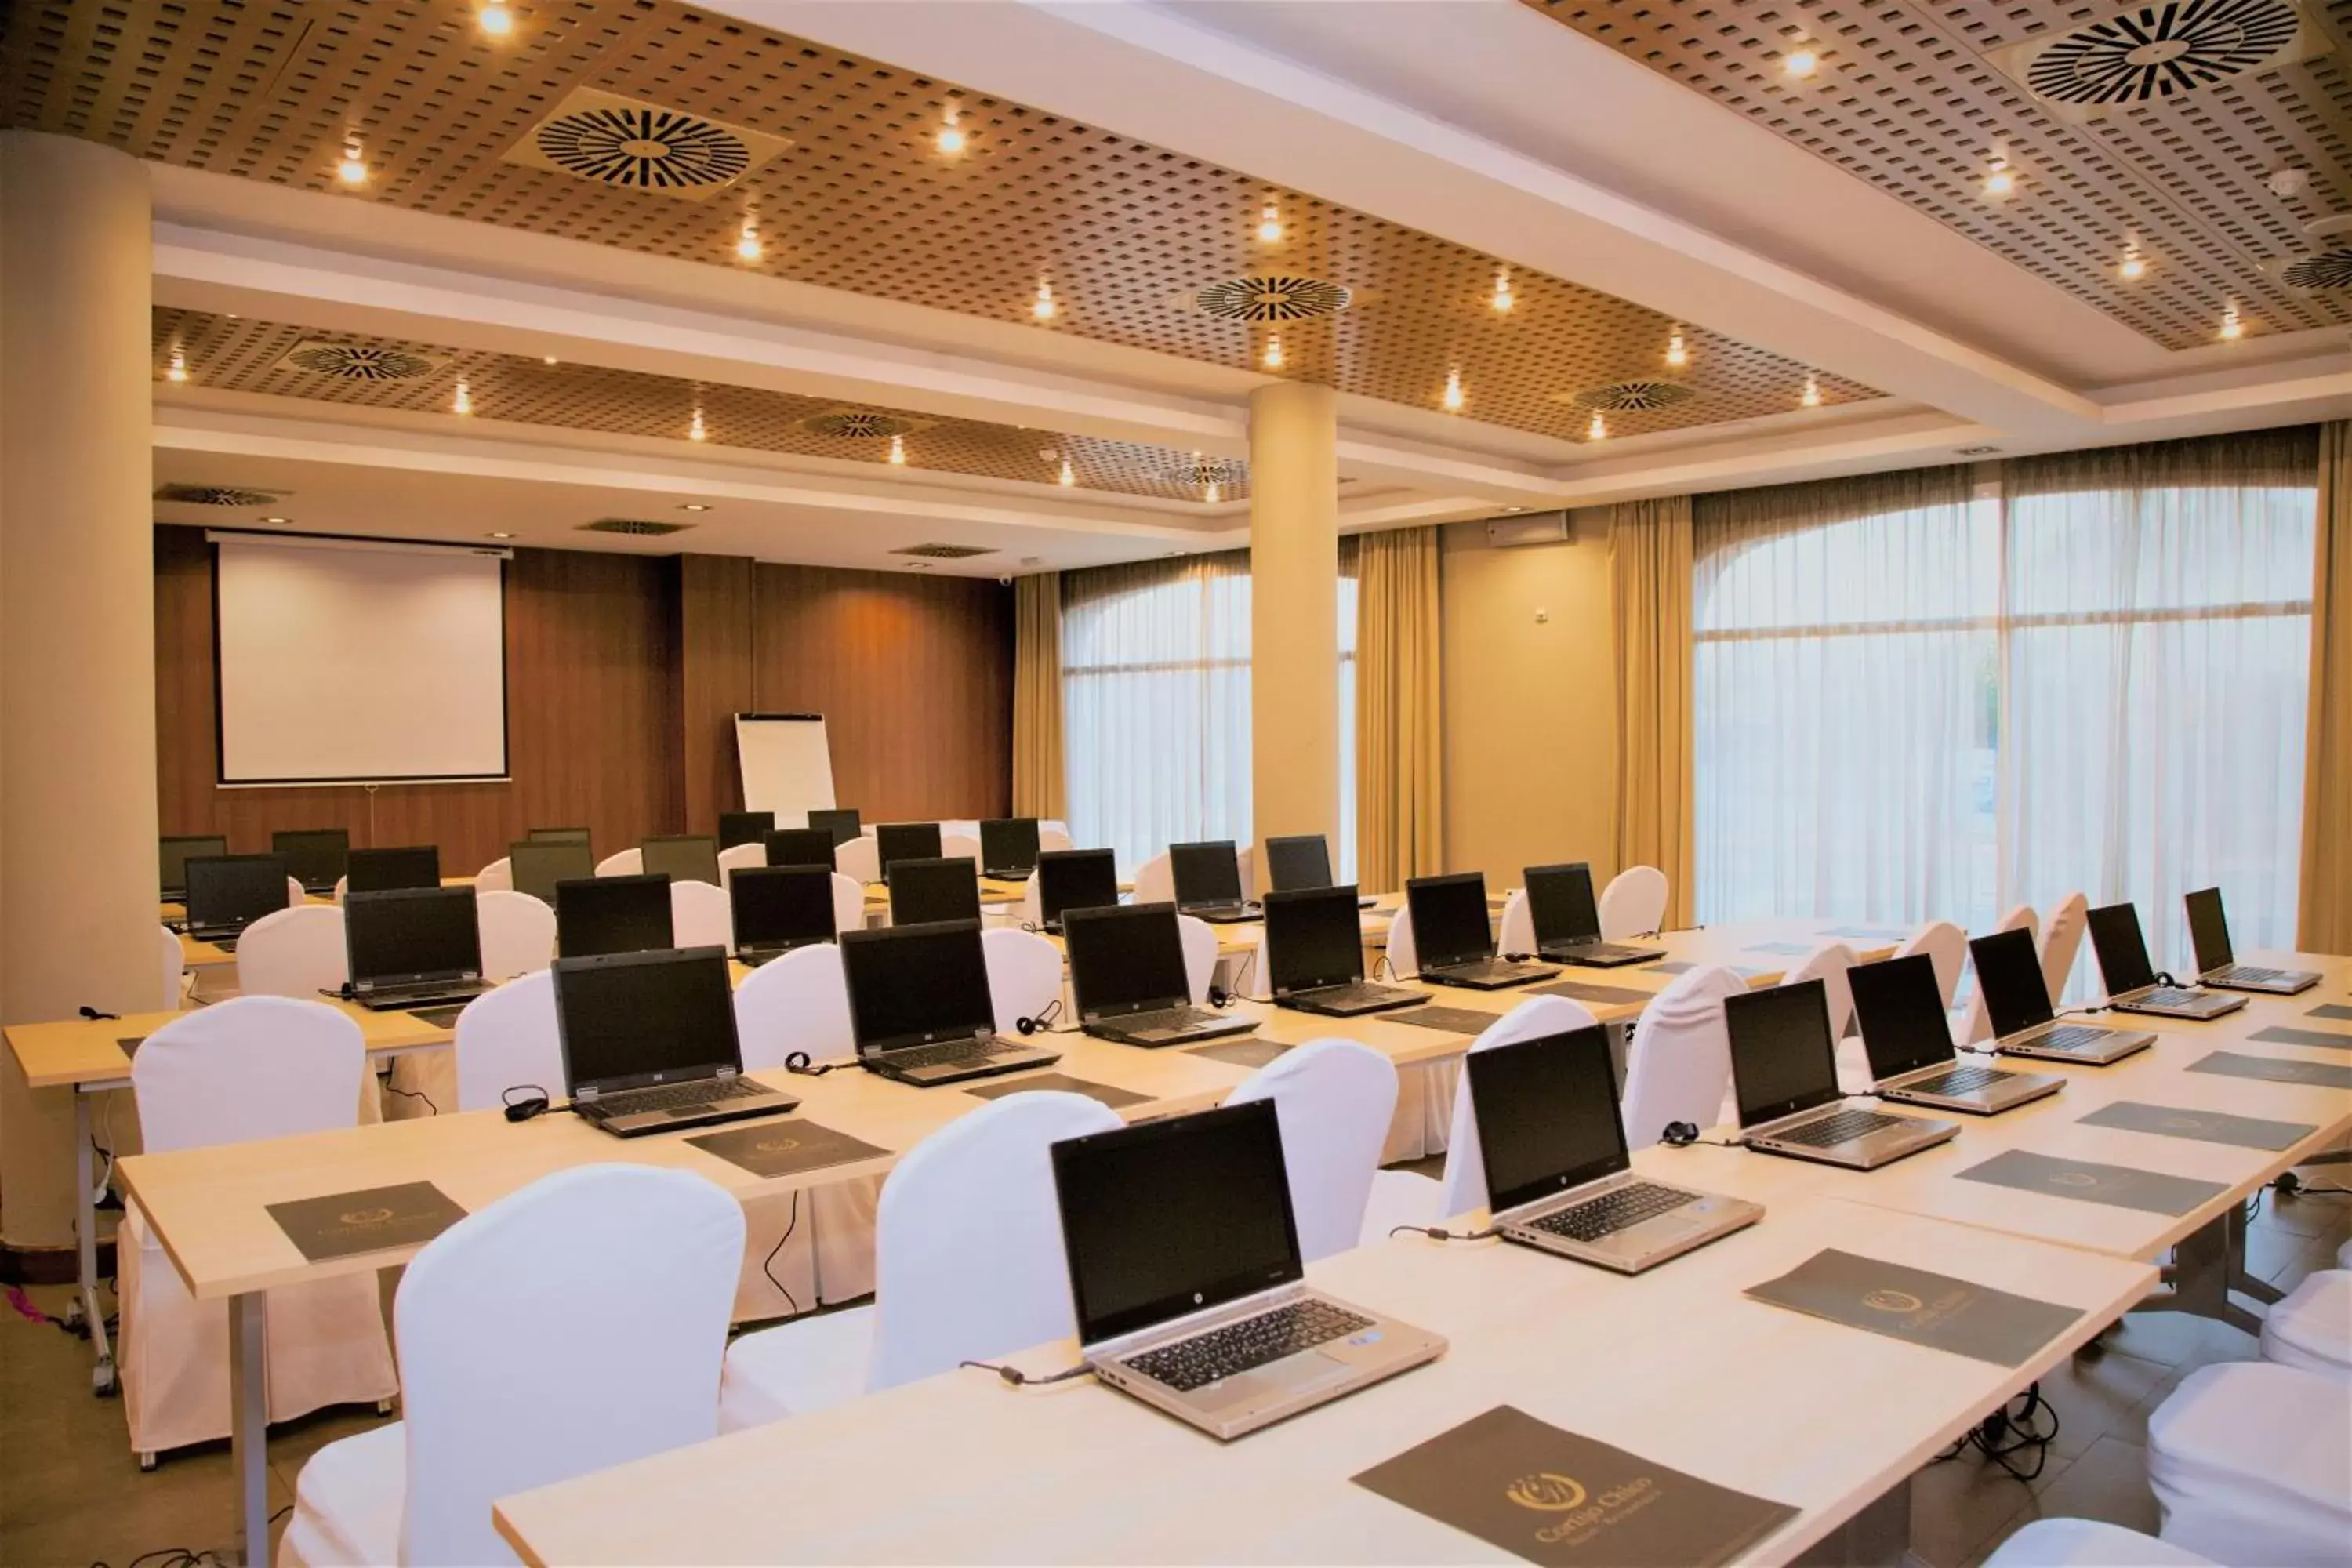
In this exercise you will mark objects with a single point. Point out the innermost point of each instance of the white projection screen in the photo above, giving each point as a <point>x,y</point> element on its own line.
<point>353,661</point>
<point>787,764</point>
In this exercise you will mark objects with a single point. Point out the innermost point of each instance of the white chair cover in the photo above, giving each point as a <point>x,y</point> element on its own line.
<point>171,995</point>
<point>1679,1064</point>
<point>2344,1255</point>
<point>860,860</point>
<point>2087,1543</point>
<point>249,1068</point>
<point>1829,963</point>
<point>1025,976</point>
<point>2311,1329</point>
<point>529,1358</point>
<point>1947,947</point>
<point>497,876</point>
<point>1334,1100</point>
<point>1033,911</point>
<point>1054,839</point>
<point>2061,940</point>
<point>518,932</point>
<point>1246,862</point>
<point>735,857</point>
<point>848,904</point>
<point>1404,953</point>
<point>2252,1463</point>
<point>1465,1185</point>
<point>1633,904</point>
<point>627,863</point>
<point>801,1002</point>
<point>969,1265</point>
<point>295,952</point>
<point>1200,939</point>
<point>700,916</point>
<point>1154,883</point>
<point>1517,931</point>
<point>507,1040</point>
<point>958,846</point>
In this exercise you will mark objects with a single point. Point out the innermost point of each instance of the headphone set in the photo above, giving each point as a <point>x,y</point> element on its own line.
<point>533,1101</point>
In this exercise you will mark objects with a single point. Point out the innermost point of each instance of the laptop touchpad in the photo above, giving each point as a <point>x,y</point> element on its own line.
<point>1292,1375</point>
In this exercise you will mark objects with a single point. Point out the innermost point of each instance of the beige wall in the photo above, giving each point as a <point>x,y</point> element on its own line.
<point>1530,705</point>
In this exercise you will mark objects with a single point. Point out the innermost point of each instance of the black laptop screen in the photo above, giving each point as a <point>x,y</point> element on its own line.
<point>781,906</point>
<point>315,856</point>
<point>1782,1059</point>
<point>1174,1216</point>
<point>1899,1004</point>
<point>1298,860</point>
<point>682,857</point>
<point>1075,879</point>
<point>629,1020</point>
<point>536,865</point>
<point>1547,1112</point>
<point>1449,919</point>
<point>1205,873</point>
<point>2123,954</point>
<point>233,890</point>
<point>1313,939</point>
<point>558,836</point>
<point>1559,902</point>
<point>177,848</point>
<point>410,865</point>
<point>923,891</point>
<point>2009,978</point>
<point>612,914</point>
<point>894,841</point>
<point>411,934</point>
<point>744,826</point>
<point>798,846</point>
<point>911,985</point>
<point>841,822</point>
<point>1009,844</point>
<point>1126,958</point>
<point>2209,931</point>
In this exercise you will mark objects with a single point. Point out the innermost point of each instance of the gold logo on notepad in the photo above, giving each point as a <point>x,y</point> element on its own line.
<point>1546,1492</point>
<point>2073,1179</point>
<point>364,1218</point>
<point>1893,1301</point>
<point>775,1145</point>
<point>2183,1123</point>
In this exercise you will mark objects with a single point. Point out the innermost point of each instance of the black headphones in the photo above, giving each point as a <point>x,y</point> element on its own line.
<point>1220,998</point>
<point>798,1062</point>
<point>1045,1018</point>
<point>533,1103</point>
<point>1679,1134</point>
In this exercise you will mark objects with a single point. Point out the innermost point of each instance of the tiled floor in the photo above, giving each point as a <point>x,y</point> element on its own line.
<point>71,1492</point>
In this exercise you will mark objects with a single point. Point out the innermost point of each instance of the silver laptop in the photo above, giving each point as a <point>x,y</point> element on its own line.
<point>2133,984</point>
<point>1899,1004</point>
<point>1568,921</point>
<point>1784,1070</point>
<point>2017,1001</point>
<point>649,1042</point>
<point>1453,940</point>
<point>1559,1178</point>
<point>2217,964</point>
<point>413,947</point>
<point>1185,1273</point>
<point>921,1009</point>
<point>1128,976</point>
<point>1315,956</point>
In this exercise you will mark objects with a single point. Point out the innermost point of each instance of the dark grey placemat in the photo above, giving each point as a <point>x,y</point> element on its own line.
<point>2204,1126</point>
<point>1867,933</point>
<point>443,1018</point>
<point>1915,1305</point>
<point>2272,1069</point>
<point>131,1043</point>
<point>782,1148</point>
<point>2280,1034</point>
<point>1248,1051</point>
<point>2117,1186</point>
<point>1578,991</point>
<point>1453,1020</point>
<point>1551,1496</point>
<point>371,1219</point>
<point>1672,966</point>
<point>997,1089</point>
<point>2336,1010</point>
<point>1784,949</point>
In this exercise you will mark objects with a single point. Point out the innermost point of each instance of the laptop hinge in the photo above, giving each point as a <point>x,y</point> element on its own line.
<point>727,1075</point>
<point>584,1095</point>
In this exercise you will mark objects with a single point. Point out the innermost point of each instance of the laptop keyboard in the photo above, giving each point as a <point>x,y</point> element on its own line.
<point>1611,1212</point>
<point>2242,974</point>
<point>948,1054</point>
<point>1959,1081</point>
<point>2074,1036</point>
<point>1236,1347</point>
<point>669,1097</point>
<point>1168,1019</point>
<point>1348,995</point>
<point>1843,1128</point>
<point>2168,996</point>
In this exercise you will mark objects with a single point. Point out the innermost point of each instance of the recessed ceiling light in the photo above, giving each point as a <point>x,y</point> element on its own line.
<point>1042,306</point>
<point>1066,478</point>
<point>1269,224</point>
<point>1451,397</point>
<point>1515,509</point>
<point>1213,493</point>
<point>550,359</point>
<point>1813,394</point>
<point>1599,429</point>
<point>1273,358</point>
<point>1800,63</point>
<point>353,169</point>
<point>2000,180</point>
<point>899,451</point>
<point>495,19</point>
<point>1677,354</point>
<point>1501,300</point>
<point>277,520</point>
<point>2134,266</point>
<point>951,140</point>
<point>463,403</point>
<point>694,506</point>
<point>746,243</point>
<point>497,533</point>
<point>694,429</point>
<point>2232,328</point>
<point>178,369</point>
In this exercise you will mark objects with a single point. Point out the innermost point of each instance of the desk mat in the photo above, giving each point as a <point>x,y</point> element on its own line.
<point>997,1089</point>
<point>1453,1020</point>
<point>442,1017</point>
<point>1248,1051</point>
<point>785,1148</point>
<point>1551,1496</point>
<point>1916,1306</point>
<point>2270,1069</point>
<point>2117,1186</point>
<point>341,1225</point>
<point>2336,1010</point>
<point>1683,966</point>
<point>1783,949</point>
<point>2204,1126</point>
<point>2280,1034</point>
<point>1578,991</point>
<point>1867,933</point>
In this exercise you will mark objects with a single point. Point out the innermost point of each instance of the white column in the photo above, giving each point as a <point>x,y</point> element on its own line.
<point>1294,613</point>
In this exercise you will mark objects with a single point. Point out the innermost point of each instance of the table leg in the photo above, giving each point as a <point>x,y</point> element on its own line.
<point>86,1303</point>
<point>2203,1271</point>
<point>249,1425</point>
<point>2241,1281</point>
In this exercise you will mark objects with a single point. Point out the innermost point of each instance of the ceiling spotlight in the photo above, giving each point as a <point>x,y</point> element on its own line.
<point>1210,496</point>
<point>695,430</point>
<point>1999,181</point>
<point>694,506</point>
<point>1599,429</point>
<point>1066,478</point>
<point>1811,397</point>
<point>951,140</point>
<point>495,19</point>
<point>1451,397</point>
<point>277,520</point>
<point>1502,301</point>
<point>2134,266</point>
<point>1677,355</point>
<point>497,533</point>
<point>1269,224</point>
<point>463,403</point>
<point>550,359</point>
<point>2232,329</point>
<point>1800,63</point>
<point>1273,357</point>
<point>178,369</point>
<point>899,451</point>
<point>746,243</point>
<point>353,169</point>
<point>1042,306</point>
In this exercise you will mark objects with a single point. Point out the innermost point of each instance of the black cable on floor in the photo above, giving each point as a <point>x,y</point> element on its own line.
<point>2027,1424</point>
<point>789,1225</point>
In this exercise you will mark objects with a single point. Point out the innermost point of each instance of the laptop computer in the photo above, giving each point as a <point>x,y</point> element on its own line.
<point>175,849</point>
<point>744,826</point>
<point>1907,1035</point>
<point>799,847</point>
<point>2217,964</point>
<point>1074,879</point>
<point>1128,976</point>
<point>2017,1001</point>
<point>612,914</point>
<point>381,870</point>
<point>681,857</point>
<point>1315,955</point>
<point>536,865</point>
<point>227,893</point>
<point>841,822</point>
<point>649,1042</point>
<point>1008,848</point>
<point>1559,1176</point>
<point>896,841</point>
<point>1300,860</point>
<point>315,856</point>
<point>919,1007</point>
<point>1452,938</point>
<point>2133,984</point>
<point>1784,1077</point>
<point>1186,1277</point>
<point>1208,881</point>
<point>778,907</point>
<point>924,892</point>
<point>1568,920</point>
<point>557,835</point>
<point>413,947</point>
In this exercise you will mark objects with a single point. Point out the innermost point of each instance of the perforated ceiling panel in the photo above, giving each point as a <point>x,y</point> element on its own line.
<point>1128,236</point>
<point>1912,96</point>
<point>236,354</point>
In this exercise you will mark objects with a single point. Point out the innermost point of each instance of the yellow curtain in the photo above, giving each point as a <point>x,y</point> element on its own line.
<point>1399,759</point>
<point>2325,919</point>
<point>1650,600</point>
<point>1038,787</point>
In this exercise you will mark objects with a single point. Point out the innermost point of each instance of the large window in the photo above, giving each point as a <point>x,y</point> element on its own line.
<point>1920,696</point>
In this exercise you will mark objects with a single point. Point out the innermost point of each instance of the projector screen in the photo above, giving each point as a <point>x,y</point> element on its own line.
<point>350,661</point>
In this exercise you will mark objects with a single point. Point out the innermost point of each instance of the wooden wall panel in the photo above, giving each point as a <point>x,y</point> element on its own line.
<point>593,716</point>
<point>715,680</point>
<point>913,676</point>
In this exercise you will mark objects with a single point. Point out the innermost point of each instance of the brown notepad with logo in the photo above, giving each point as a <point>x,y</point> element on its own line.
<point>371,1219</point>
<point>2280,1034</point>
<point>2336,1010</point>
<point>2270,1069</point>
<point>1248,1051</point>
<point>2204,1126</point>
<point>2085,1180</point>
<point>1551,1496</point>
<point>1452,1020</point>
<point>1578,991</point>
<point>785,1148</point>
<point>1912,1304</point>
<point>997,1089</point>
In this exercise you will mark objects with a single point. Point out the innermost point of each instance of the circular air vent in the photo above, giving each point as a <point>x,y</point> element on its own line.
<point>2159,52</point>
<point>357,362</point>
<point>1200,473</point>
<point>1276,296</point>
<point>1632,396</point>
<point>857,426</point>
<point>215,494</point>
<point>645,148</point>
<point>2329,270</point>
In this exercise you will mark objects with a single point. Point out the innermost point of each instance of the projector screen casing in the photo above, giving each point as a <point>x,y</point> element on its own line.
<point>358,661</point>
